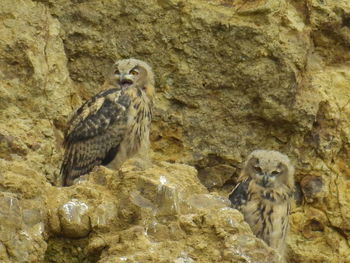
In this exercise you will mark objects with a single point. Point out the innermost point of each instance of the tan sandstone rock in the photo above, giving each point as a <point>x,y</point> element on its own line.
<point>232,76</point>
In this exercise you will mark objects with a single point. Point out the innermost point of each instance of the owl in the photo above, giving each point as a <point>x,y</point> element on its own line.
<point>113,125</point>
<point>264,194</point>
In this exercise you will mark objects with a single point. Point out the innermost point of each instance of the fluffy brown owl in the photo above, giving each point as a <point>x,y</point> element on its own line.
<point>111,126</point>
<point>264,194</point>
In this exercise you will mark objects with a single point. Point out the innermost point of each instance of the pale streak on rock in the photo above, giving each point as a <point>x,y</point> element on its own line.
<point>74,219</point>
<point>276,76</point>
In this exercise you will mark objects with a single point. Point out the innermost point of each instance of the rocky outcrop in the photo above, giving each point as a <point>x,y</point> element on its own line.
<point>232,76</point>
<point>131,215</point>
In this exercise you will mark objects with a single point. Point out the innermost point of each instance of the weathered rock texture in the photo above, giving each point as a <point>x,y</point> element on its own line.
<point>232,76</point>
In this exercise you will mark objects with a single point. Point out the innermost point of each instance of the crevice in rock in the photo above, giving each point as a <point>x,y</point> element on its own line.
<point>63,250</point>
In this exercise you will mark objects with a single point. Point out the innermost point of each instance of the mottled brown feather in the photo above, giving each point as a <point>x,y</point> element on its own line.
<point>266,207</point>
<point>111,126</point>
<point>96,128</point>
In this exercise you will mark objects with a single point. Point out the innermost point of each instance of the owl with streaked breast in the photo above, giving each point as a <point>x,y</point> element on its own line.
<point>113,125</point>
<point>264,194</point>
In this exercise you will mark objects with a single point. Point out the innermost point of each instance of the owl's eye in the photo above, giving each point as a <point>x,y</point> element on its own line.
<point>134,72</point>
<point>258,169</point>
<point>116,71</point>
<point>275,173</point>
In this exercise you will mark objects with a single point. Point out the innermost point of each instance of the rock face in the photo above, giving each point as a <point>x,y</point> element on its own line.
<point>232,76</point>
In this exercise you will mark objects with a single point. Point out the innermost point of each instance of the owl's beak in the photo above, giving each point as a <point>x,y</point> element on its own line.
<point>265,180</point>
<point>125,81</point>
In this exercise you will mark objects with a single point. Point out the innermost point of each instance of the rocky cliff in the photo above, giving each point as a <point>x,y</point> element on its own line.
<point>232,76</point>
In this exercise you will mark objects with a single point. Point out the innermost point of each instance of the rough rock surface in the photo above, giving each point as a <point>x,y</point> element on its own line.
<point>232,76</point>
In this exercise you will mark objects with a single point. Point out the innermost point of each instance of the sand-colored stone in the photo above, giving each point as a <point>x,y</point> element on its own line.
<point>232,76</point>
<point>125,220</point>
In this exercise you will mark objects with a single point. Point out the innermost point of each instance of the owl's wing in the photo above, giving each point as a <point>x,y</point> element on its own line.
<point>239,195</point>
<point>94,134</point>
